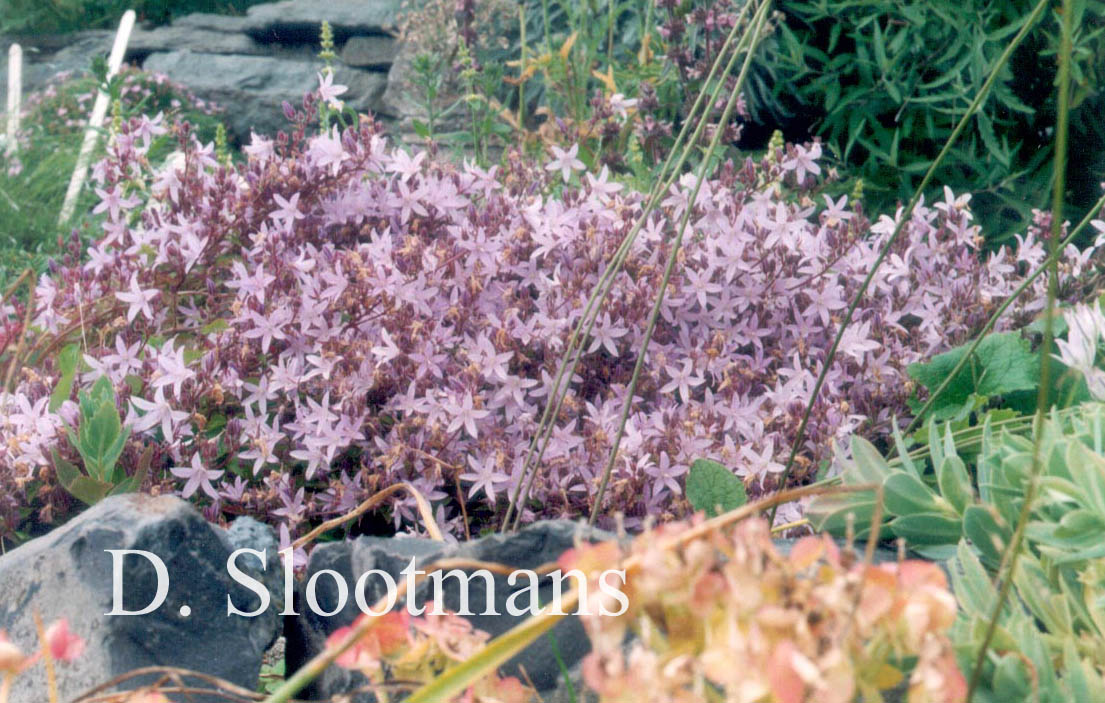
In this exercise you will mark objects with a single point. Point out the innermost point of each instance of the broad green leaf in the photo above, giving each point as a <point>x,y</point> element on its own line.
<point>905,494</point>
<point>829,513</point>
<point>711,486</point>
<point>68,361</point>
<point>66,471</point>
<point>89,490</point>
<point>955,485</point>
<point>1010,680</point>
<point>1003,363</point>
<point>870,465</point>
<point>97,440</point>
<point>927,528</point>
<point>987,532</point>
<point>102,392</point>
<point>1088,471</point>
<point>973,588</point>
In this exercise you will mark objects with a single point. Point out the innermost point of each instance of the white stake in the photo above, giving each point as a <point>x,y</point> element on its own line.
<point>15,93</point>
<point>99,111</point>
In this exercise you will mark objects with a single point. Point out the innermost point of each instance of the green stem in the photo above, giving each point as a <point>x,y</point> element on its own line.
<point>1051,258</point>
<point>654,316</point>
<point>573,351</point>
<point>903,219</point>
<point>1013,553</point>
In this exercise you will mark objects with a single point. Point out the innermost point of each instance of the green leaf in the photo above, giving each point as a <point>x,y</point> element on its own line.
<point>829,513</point>
<point>97,441</point>
<point>905,494</point>
<point>869,464</point>
<point>66,471</point>
<point>215,326</point>
<point>711,486</point>
<point>955,486</point>
<point>68,360</point>
<point>927,528</point>
<point>102,392</point>
<point>973,589</point>
<point>987,532</point>
<point>89,490</point>
<point>1003,363</point>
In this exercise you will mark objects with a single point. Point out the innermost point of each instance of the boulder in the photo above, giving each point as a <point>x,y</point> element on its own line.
<point>68,574</point>
<point>530,548</point>
<point>374,52</point>
<point>251,89</point>
<point>180,35</point>
<point>293,21</point>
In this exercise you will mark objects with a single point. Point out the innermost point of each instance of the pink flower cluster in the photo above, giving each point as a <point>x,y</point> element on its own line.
<point>337,314</point>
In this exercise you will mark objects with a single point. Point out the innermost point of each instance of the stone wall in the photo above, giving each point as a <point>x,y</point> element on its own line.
<point>248,65</point>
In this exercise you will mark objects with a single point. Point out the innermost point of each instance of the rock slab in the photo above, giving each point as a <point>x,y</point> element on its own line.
<point>528,549</point>
<point>68,574</point>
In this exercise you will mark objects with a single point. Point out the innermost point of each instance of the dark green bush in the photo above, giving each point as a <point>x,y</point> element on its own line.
<point>884,83</point>
<point>57,16</point>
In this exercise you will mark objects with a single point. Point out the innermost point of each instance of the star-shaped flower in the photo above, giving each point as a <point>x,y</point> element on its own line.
<point>565,161</point>
<point>197,477</point>
<point>138,300</point>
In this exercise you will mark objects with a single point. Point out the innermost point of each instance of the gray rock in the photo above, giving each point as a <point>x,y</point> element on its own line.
<point>535,545</point>
<point>252,88</point>
<point>68,574</point>
<point>181,36</point>
<point>376,52</point>
<point>294,21</point>
<point>44,57</point>
<point>208,21</point>
<point>248,533</point>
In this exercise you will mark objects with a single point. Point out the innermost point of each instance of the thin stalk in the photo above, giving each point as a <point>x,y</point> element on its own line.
<point>522,84</point>
<point>1012,555</point>
<point>904,219</point>
<point>583,328</point>
<point>610,17</point>
<point>654,316</point>
<point>1052,257</point>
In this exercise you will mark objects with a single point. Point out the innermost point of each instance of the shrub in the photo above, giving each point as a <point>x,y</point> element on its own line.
<point>29,17</point>
<point>291,334</point>
<point>884,84</point>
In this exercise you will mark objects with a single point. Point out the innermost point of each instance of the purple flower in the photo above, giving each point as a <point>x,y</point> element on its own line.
<point>197,477</point>
<point>565,161</point>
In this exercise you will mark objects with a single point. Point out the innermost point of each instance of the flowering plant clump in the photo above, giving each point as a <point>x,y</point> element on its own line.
<point>289,335</point>
<point>818,624</point>
<point>63,106</point>
<point>415,650</point>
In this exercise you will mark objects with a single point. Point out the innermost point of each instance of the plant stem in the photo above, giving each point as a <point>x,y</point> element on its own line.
<point>654,316</point>
<point>1013,553</point>
<point>1051,258</point>
<point>522,84</point>
<point>903,219</point>
<point>665,178</point>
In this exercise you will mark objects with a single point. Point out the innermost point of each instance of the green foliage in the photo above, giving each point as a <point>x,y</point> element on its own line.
<point>1002,364</point>
<point>964,510</point>
<point>713,488</point>
<point>99,438</point>
<point>885,83</point>
<point>58,16</point>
